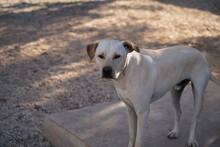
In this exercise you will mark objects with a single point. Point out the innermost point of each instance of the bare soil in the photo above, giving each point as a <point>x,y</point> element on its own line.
<point>43,62</point>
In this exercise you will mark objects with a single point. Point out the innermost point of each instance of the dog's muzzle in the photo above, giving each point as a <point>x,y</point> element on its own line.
<point>107,72</point>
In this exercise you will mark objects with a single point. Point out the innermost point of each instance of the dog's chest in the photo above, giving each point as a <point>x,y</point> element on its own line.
<point>123,94</point>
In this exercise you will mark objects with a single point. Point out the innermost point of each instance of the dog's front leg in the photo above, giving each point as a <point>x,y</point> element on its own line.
<point>132,123</point>
<point>142,124</point>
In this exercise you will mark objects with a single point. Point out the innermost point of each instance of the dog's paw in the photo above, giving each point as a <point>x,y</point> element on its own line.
<point>193,143</point>
<point>172,135</point>
<point>130,144</point>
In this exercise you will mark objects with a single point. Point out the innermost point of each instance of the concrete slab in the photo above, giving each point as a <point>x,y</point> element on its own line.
<point>105,125</point>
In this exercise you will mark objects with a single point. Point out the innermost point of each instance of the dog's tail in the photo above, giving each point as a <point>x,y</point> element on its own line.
<point>214,79</point>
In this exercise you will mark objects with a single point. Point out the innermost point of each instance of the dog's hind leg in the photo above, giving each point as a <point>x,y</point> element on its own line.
<point>176,95</point>
<point>198,87</point>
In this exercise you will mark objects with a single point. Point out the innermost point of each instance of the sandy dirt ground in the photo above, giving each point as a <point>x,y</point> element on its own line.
<point>43,62</point>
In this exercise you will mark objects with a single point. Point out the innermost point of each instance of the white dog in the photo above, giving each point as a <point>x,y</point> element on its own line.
<point>143,77</point>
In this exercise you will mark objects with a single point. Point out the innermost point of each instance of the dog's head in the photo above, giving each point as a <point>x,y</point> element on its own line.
<point>110,56</point>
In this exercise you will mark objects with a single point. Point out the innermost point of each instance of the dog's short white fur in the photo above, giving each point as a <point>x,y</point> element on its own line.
<point>143,76</point>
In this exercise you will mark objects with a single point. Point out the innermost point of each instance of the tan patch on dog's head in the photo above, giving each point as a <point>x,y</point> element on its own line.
<point>91,48</point>
<point>129,46</point>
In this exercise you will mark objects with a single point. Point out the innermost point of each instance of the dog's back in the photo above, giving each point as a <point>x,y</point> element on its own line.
<point>176,57</point>
<point>173,52</point>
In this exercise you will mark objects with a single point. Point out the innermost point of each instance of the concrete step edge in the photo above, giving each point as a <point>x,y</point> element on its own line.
<point>58,135</point>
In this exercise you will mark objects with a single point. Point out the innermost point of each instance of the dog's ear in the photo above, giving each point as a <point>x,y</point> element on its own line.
<point>91,48</point>
<point>129,46</point>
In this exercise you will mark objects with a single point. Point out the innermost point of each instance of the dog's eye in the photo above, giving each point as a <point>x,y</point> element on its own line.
<point>116,56</point>
<point>101,56</point>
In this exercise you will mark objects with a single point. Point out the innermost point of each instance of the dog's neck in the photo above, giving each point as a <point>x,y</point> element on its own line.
<point>122,73</point>
<point>120,80</point>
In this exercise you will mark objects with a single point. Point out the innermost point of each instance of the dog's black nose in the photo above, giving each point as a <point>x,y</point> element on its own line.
<point>107,72</point>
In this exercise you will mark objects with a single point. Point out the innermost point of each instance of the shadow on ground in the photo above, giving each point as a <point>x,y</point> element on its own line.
<point>30,25</point>
<point>212,6</point>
